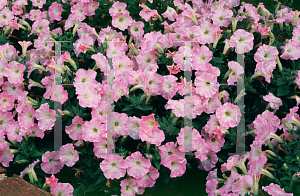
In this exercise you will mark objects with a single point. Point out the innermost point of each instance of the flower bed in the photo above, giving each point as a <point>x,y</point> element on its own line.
<point>118,94</point>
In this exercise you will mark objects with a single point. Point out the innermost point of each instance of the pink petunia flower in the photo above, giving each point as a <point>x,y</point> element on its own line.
<point>91,7</point>
<point>46,117</point>
<point>30,171</point>
<point>68,155</point>
<point>146,13</point>
<point>93,130</point>
<point>210,162</point>
<point>274,101</point>
<point>157,138</point>
<point>138,166</point>
<point>13,132</point>
<point>117,8</point>
<point>266,53</point>
<point>290,51</point>
<point>87,96</point>
<point>114,166</point>
<point>235,71</point>
<point>38,3</point>
<point>176,165</point>
<point>51,163</point>
<point>229,115</point>
<point>59,94</point>
<point>52,181</point>
<point>169,86</point>
<point>136,29</point>
<point>170,13</point>
<point>188,139</point>
<point>149,179</point>
<point>6,155</point>
<point>14,72</point>
<point>122,21</point>
<point>167,150</point>
<point>265,68</point>
<point>64,189</point>
<point>79,10</point>
<point>129,187</point>
<point>275,190</point>
<point>7,102</point>
<point>148,124</point>
<point>243,185</point>
<point>206,32</point>
<point>55,11</point>
<point>244,41</point>
<point>75,129</point>
<point>206,85</point>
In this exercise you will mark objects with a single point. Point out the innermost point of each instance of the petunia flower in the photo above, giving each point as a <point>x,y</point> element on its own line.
<point>274,101</point>
<point>275,190</point>
<point>129,187</point>
<point>68,155</point>
<point>51,163</point>
<point>206,85</point>
<point>75,129</point>
<point>206,32</point>
<point>229,115</point>
<point>290,51</point>
<point>122,21</point>
<point>46,117</point>
<point>176,165</point>
<point>244,41</point>
<point>114,166</point>
<point>6,102</point>
<point>138,166</point>
<point>30,171</point>
<point>93,130</point>
<point>59,94</point>
<point>55,11</point>
<point>52,181</point>
<point>149,179</point>
<point>14,72</point>
<point>188,139</point>
<point>13,132</point>
<point>60,189</point>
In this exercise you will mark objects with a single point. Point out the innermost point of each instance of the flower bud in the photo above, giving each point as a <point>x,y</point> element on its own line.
<point>285,166</point>
<point>267,173</point>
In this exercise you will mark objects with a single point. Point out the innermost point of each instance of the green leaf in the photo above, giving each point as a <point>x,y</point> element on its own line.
<point>157,164</point>
<point>75,110</point>
<point>78,190</point>
<point>139,107</point>
<point>298,189</point>
<point>145,108</point>
<point>288,189</point>
<point>285,178</point>
<point>282,91</point>
<point>280,81</point>
<point>128,108</point>
<point>217,60</point>
<point>91,188</point>
<point>100,179</point>
<point>88,160</point>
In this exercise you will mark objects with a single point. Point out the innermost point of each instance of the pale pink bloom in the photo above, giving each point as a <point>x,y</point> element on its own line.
<point>144,58</point>
<point>152,83</point>
<point>51,163</point>
<point>170,13</point>
<point>91,7</point>
<point>136,29</point>
<point>290,51</point>
<point>34,15</point>
<point>266,68</point>
<point>39,25</point>
<point>13,132</point>
<point>102,149</point>
<point>263,29</point>
<point>62,189</point>
<point>221,17</point>
<point>122,21</point>
<point>167,150</point>
<point>14,72</point>
<point>257,165</point>
<point>235,71</point>
<point>202,150</point>
<point>244,41</point>
<point>122,64</point>
<point>146,13</point>
<point>157,138</point>
<point>12,89</point>
<point>88,96</point>
<point>33,131</point>
<point>206,32</point>
<point>79,10</point>
<point>148,124</point>
<point>182,57</point>
<point>5,16</point>
<point>274,101</point>
<point>30,171</point>
<point>201,55</point>
<point>68,155</point>
<point>52,181</point>
<point>6,118</point>
<point>215,143</point>
<point>211,187</point>
<point>6,102</point>
<point>252,12</point>
<point>229,115</point>
<point>188,139</point>
<point>211,105</point>
<point>5,154</point>
<point>101,61</point>
<point>99,112</point>
<point>59,94</point>
<point>82,44</point>
<point>17,9</point>
<point>185,88</point>
<point>226,188</point>
<point>275,190</point>
<point>38,3</point>
<point>296,36</point>
<point>177,107</point>
<point>120,123</point>
<point>213,128</point>
<point>46,117</point>
<point>266,53</point>
<point>121,89</point>
<point>149,179</point>
<point>114,49</point>
<point>176,165</point>
<point>93,130</point>
<point>291,119</point>
<point>169,86</point>
<point>75,129</point>
<point>210,162</point>
<point>55,11</point>
<point>206,85</point>
<point>114,166</point>
<point>138,166</point>
<point>134,127</point>
<point>129,187</point>
<point>117,8</point>
<point>243,185</point>
<point>149,40</point>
